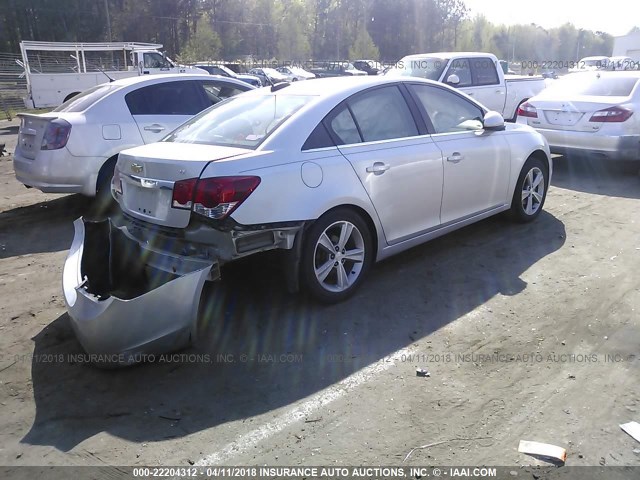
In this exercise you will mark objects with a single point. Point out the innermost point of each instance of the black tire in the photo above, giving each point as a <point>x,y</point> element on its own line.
<point>526,209</point>
<point>104,203</point>
<point>354,267</point>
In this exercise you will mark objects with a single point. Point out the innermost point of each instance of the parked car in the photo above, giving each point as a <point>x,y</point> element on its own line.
<point>336,69</point>
<point>74,148</point>
<point>370,67</point>
<point>475,73</point>
<point>623,63</point>
<point>268,76</point>
<point>591,113</point>
<point>307,168</point>
<point>227,72</point>
<point>598,62</point>
<point>294,74</point>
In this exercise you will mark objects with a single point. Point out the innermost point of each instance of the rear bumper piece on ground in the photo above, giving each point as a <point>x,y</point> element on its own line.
<point>624,147</point>
<point>124,299</point>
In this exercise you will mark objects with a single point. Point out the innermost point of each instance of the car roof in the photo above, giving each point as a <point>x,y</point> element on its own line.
<point>606,74</point>
<point>165,77</point>
<point>333,87</point>
<point>449,54</point>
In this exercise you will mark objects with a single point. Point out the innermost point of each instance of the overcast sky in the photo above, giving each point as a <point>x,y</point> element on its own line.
<point>616,17</point>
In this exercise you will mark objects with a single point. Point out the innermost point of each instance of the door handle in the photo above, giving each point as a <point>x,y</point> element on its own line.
<point>499,91</point>
<point>378,168</point>
<point>455,158</point>
<point>155,128</point>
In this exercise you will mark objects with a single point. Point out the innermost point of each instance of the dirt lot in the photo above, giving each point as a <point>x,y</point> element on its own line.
<point>529,332</point>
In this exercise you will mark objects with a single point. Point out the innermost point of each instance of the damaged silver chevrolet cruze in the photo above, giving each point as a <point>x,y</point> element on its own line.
<point>338,173</point>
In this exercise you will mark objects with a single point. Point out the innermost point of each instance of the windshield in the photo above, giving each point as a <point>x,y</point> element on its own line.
<point>425,67</point>
<point>242,121</point>
<point>84,100</point>
<point>592,85</point>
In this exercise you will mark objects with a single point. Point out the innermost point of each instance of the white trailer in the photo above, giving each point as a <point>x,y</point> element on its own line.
<point>57,71</point>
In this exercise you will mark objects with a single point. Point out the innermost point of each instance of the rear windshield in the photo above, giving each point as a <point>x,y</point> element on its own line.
<point>593,85</point>
<point>242,121</point>
<point>84,100</point>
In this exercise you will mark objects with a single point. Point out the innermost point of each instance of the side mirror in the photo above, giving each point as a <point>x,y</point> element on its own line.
<point>493,121</point>
<point>453,79</point>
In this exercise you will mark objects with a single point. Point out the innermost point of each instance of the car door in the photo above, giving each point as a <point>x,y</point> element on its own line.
<point>486,84</point>
<point>160,108</point>
<point>476,162</point>
<point>398,164</point>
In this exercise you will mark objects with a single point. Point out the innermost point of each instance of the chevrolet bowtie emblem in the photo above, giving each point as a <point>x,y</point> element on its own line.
<point>136,168</point>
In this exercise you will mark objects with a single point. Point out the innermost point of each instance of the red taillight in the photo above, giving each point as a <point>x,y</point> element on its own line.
<point>56,135</point>
<point>613,114</point>
<point>183,193</point>
<point>213,197</point>
<point>527,110</point>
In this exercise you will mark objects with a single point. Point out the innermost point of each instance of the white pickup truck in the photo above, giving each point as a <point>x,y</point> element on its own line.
<point>479,75</point>
<point>58,71</point>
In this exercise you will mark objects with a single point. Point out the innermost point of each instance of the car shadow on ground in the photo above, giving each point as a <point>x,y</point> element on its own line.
<point>597,176</point>
<point>44,226</point>
<point>262,349</point>
<point>10,130</point>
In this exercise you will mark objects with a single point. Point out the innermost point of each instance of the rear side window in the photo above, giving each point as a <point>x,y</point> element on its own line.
<point>484,72</point>
<point>383,114</point>
<point>84,100</point>
<point>345,128</point>
<point>319,138</point>
<point>169,98</point>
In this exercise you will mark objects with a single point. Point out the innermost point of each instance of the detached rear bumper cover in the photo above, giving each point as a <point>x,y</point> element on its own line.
<point>121,305</point>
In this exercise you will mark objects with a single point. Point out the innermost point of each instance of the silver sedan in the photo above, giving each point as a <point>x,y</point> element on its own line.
<point>592,113</point>
<point>337,173</point>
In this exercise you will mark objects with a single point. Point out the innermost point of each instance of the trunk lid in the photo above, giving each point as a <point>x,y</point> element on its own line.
<point>571,115</point>
<point>32,129</point>
<point>147,175</point>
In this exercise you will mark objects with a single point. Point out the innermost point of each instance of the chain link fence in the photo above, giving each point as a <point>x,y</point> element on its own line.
<point>13,85</point>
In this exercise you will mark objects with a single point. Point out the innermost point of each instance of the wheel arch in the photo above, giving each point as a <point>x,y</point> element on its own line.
<point>108,164</point>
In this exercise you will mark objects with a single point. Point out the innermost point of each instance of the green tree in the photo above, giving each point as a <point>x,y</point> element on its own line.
<point>363,46</point>
<point>204,44</point>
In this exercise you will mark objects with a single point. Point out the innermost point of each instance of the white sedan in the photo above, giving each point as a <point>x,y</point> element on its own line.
<point>592,114</point>
<point>338,173</point>
<point>74,148</point>
<point>296,73</point>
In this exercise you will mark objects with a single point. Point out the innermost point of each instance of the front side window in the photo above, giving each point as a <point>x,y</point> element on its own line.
<point>218,91</point>
<point>448,112</point>
<point>155,60</point>
<point>462,69</point>
<point>241,121</point>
